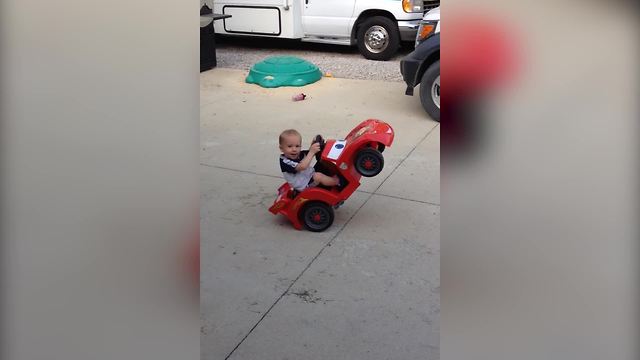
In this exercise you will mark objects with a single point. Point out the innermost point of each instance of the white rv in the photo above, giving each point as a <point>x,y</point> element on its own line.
<point>375,26</point>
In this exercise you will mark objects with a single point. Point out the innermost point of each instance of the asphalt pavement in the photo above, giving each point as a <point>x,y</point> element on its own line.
<point>367,288</point>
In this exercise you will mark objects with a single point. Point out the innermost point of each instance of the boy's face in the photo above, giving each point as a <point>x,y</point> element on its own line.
<point>290,146</point>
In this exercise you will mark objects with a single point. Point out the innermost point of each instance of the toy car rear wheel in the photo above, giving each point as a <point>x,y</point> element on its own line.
<point>369,162</point>
<point>316,216</point>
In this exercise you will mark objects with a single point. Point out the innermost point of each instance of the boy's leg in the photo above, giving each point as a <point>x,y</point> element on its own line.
<point>326,180</point>
<point>321,168</point>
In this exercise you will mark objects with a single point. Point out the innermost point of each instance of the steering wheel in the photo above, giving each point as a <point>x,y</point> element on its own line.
<point>320,140</point>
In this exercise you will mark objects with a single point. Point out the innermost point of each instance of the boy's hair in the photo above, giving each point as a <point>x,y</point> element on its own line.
<point>288,132</point>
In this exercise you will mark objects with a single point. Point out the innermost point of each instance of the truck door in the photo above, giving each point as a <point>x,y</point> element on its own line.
<point>281,18</point>
<point>327,17</point>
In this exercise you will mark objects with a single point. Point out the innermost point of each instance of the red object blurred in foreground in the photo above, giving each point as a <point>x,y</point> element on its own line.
<point>478,53</point>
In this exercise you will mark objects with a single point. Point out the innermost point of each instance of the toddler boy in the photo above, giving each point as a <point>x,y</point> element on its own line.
<point>295,163</point>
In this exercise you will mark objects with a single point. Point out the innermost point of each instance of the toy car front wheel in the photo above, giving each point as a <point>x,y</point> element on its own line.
<point>316,216</point>
<point>369,162</point>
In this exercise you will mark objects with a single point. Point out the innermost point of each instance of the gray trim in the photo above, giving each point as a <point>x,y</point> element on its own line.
<point>408,29</point>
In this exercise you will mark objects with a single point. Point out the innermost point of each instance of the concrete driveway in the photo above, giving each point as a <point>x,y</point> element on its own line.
<point>367,288</point>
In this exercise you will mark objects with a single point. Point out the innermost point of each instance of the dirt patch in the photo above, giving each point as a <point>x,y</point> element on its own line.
<point>309,296</point>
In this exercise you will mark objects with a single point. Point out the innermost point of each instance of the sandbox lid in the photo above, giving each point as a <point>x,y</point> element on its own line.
<point>276,71</point>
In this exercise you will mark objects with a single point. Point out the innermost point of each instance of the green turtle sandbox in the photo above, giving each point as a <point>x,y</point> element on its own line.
<point>276,71</point>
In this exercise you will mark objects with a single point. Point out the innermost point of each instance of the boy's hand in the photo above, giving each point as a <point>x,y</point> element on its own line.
<point>314,148</point>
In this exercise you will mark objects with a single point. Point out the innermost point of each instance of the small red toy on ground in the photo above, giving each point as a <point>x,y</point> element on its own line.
<point>359,154</point>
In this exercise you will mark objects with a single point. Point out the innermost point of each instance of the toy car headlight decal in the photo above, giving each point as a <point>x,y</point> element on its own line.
<point>361,131</point>
<point>337,149</point>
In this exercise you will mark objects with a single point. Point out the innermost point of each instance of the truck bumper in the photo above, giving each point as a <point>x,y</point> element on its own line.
<point>409,68</point>
<point>408,29</point>
<point>413,65</point>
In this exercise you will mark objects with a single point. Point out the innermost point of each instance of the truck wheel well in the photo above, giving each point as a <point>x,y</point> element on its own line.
<point>365,15</point>
<point>426,63</point>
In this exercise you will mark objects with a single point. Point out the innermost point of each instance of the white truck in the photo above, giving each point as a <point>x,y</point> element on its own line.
<point>375,26</point>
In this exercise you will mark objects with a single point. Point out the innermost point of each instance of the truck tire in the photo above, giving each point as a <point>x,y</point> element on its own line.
<point>430,91</point>
<point>378,38</point>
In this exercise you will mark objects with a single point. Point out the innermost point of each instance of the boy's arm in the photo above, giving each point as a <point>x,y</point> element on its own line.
<point>313,149</point>
<point>305,162</point>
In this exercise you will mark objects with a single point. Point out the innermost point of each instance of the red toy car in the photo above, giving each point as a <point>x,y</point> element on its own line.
<point>359,154</point>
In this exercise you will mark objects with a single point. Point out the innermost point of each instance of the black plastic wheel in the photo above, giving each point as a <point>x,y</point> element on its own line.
<point>316,216</point>
<point>369,162</point>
